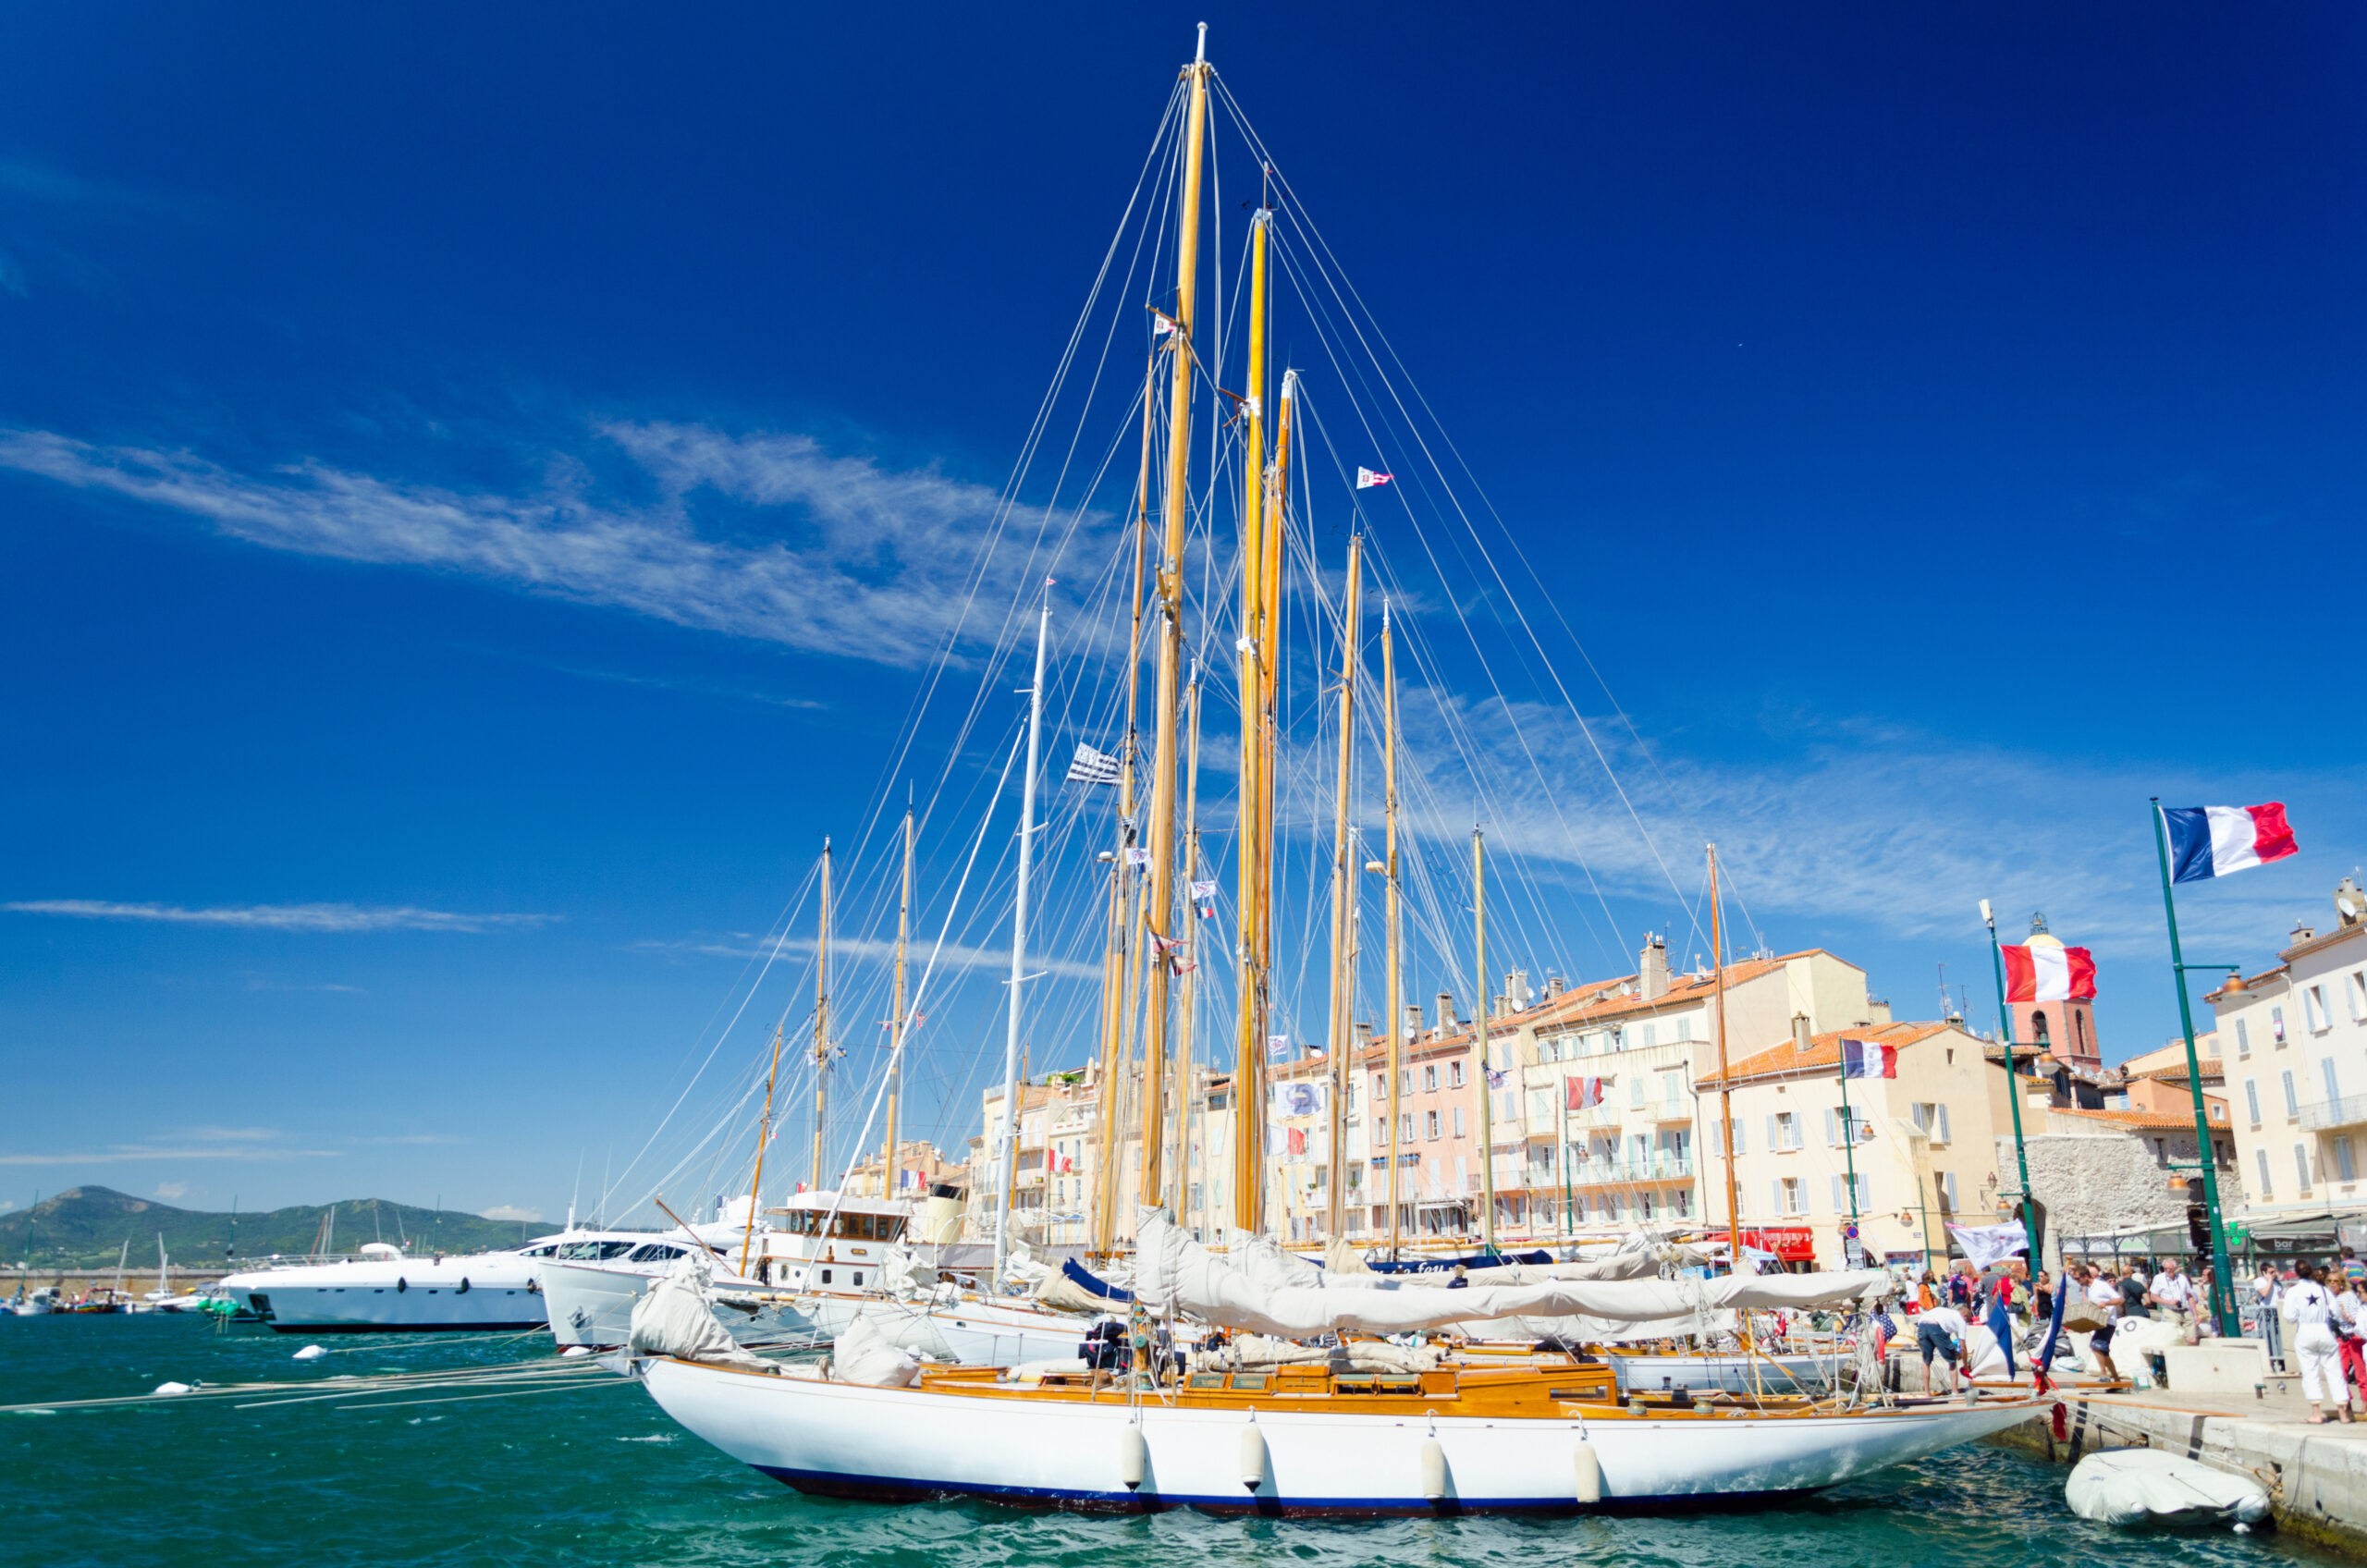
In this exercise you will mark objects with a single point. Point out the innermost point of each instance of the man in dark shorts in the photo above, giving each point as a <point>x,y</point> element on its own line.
<point>1941,1329</point>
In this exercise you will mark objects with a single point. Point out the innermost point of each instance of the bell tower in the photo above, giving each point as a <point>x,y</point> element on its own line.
<point>2066,1030</point>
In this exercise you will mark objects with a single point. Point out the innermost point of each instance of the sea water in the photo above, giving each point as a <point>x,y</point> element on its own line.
<point>597,1474</point>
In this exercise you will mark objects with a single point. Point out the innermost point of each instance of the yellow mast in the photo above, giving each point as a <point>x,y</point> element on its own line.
<point>887,1171</point>
<point>1725,1088</point>
<point>822,1020</point>
<point>1479,1012</point>
<point>1396,1005</point>
<point>763,1136</point>
<point>1186,1026</point>
<point>1249,1040</point>
<point>1159,897</point>
<point>1344,894</point>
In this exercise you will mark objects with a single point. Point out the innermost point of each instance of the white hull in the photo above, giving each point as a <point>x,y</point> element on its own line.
<point>486,1290</point>
<point>845,1439</point>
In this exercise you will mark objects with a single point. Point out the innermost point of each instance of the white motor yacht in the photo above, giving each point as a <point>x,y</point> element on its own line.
<point>385,1291</point>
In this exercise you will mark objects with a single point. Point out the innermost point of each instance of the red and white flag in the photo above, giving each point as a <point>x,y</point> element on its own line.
<point>1367,479</point>
<point>1581,1093</point>
<point>2044,973</point>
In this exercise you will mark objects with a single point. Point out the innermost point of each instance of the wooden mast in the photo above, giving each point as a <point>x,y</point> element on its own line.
<point>1160,895</point>
<point>887,1171</point>
<point>763,1136</point>
<point>1249,1039</point>
<point>1479,1012</point>
<point>1188,1021</point>
<point>1396,1004</point>
<point>1343,896</point>
<point>822,1020</point>
<point>1725,1086</point>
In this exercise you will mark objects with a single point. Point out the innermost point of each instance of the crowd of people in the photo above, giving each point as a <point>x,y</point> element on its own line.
<point>2312,1317</point>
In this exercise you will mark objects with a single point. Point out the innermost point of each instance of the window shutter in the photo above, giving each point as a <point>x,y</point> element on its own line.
<point>2332,1093</point>
<point>1779,1196</point>
<point>1950,1179</point>
<point>1944,1132</point>
<point>1839,1203</point>
<point>1773,1144</point>
<point>1832,1132</point>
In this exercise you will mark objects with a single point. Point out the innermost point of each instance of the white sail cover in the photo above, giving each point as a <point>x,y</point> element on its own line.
<point>1268,1293</point>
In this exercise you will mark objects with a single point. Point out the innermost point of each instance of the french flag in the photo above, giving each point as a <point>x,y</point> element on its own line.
<point>2049,974</point>
<point>1868,1059</point>
<point>2207,841</point>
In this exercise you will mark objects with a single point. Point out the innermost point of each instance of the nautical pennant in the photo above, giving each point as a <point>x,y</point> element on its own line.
<point>1367,479</point>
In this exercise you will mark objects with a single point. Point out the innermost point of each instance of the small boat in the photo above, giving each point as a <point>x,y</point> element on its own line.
<point>2145,1485</point>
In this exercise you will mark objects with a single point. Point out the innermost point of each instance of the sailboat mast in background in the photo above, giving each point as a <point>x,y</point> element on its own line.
<point>887,1171</point>
<point>1343,897</point>
<point>1249,1036</point>
<point>1008,1165</point>
<point>822,1021</point>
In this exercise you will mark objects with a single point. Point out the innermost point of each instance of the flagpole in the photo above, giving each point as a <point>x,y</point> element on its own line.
<point>2014,1093</point>
<point>1479,1012</point>
<point>2223,1295</point>
<point>1850,1145</point>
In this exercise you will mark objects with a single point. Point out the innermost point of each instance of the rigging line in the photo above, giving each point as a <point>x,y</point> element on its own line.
<point>1495,685</point>
<point>1300,219</point>
<point>721,1037</point>
<point>928,970</point>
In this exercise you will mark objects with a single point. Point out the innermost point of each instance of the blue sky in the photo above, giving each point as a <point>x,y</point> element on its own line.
<point>479,490</point>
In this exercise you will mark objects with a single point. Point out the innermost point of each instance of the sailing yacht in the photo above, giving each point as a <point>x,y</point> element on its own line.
<point>1380,1402</point>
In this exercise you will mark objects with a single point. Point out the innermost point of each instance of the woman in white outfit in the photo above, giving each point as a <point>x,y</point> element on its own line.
<point>2311,1311</point>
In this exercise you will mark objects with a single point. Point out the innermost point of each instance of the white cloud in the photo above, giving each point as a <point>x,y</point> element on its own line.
<point>865,562</point>
<point>172,1189</point>
<point>282,917</point>
<point>122,1154</point>
<point>511,1211</point>
<point>7,1204</point>
<point>953,956</point>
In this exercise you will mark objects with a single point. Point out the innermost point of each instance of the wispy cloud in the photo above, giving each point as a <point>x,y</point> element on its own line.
<point>861,949</point>
<point>121,1154</point>
<point>231,1134</point>
<point>415,1138</point>
<point>283,917</point>
<point>511,1211</point>
<point>863,562</point>
<point>31,181</point>
<point>172,1190</point>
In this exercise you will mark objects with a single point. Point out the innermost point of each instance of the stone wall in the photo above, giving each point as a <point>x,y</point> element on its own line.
<point>2086,1184</point>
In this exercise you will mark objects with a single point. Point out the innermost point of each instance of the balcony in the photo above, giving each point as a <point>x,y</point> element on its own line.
<point>1677,1109</point>
<point>1662,1166</point>
<point>2324,1116</point>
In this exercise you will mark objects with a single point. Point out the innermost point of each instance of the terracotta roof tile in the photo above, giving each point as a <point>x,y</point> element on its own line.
<point>1824,1052</point>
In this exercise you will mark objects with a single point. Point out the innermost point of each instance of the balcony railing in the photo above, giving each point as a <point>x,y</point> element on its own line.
<point>2350,1110</point>
<point>1661,1167</point>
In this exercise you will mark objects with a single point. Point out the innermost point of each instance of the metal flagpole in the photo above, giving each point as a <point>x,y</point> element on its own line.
<point>2014,1093</point>
<point>2223,1293</point>
<point>1850,1144</point>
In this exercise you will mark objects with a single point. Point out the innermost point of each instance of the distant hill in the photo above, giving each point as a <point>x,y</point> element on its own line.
<point>86,1227</point>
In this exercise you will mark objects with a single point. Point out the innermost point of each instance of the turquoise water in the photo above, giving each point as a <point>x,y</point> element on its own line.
<point>598,1474</point>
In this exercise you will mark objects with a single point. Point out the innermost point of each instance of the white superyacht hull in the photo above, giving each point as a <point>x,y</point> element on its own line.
<point>487,1291</point>
<point>843,1439</point>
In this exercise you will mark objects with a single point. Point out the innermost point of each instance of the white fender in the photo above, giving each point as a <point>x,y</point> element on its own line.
<point>1588,1465</point>
<point>1253,1457</point>
<point>1133,1456</point>
<point>1433,1471</point>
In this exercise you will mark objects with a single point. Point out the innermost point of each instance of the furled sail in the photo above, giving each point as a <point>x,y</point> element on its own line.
<point>1269,1292</point>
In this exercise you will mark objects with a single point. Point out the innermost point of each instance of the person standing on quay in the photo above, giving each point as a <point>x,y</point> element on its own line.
<point>2310,1308</point>
<point>2104,1301</point>
<point>2135,1291</point>
<point>1942,1329</point>
<point>2268,1294</point>
<point>2174,1293</point>
<point>2349,1311</point>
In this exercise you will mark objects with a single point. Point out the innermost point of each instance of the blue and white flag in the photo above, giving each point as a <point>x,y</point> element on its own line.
<point>1278,1048</point>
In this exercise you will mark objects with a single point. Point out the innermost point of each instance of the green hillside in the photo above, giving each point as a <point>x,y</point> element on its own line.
<point>86,1227</point>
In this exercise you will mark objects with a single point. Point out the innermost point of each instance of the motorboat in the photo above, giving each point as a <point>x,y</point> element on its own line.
<point>387,1291</point>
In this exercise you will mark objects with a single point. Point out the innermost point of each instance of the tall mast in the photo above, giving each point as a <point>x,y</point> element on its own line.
<point>1725,1085</point>
<point>1018,942</point>
<point>1160,895</point>
<point>822,1020</point>
<point>1344,894</point>
<point>763,1136</point>
<point>1479,1011</point>
<point>887,1172</point>
<point>1249,1019</point>
<point>1396,1005</point>
<point>1186,1005</point>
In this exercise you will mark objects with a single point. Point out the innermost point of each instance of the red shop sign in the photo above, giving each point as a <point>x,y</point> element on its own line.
<point>1793,1244</point>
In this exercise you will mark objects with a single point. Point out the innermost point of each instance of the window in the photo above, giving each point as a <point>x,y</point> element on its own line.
<point>1737,1126</point>
<point>1636,1091</point>
<point>1832,1132</point>
<point>1405,1079</point>
<point>2251,1100</point>
<point>1430,1076</point>
<point>2301,1166</point>
<point>1405,1128</point>
<point>1195,1196</point>
<point>2357,990</point>
<point>1379,1087</point>
<point>2276,1024</point>
<point>1672,1087</point>
<point>1455,1075</point>
<point>1685,1027</point>
<point>2243,1039</point>
<point>1789,1197</point>
<point>1947,1180</point>
<point>2332,1094</point>
<point>1540,1105</point>
<point>1842,1196</point>
<point>1643,1206</point>
<point>2313,1009</point>
<point>2265,1190</point>
<point>1651,1036</point>
<point>1784,1130</point>
<point>2292,1100</point>
<point>1458,1122</point>
<point>2343,1166</point>
<point>1433,1125</point>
